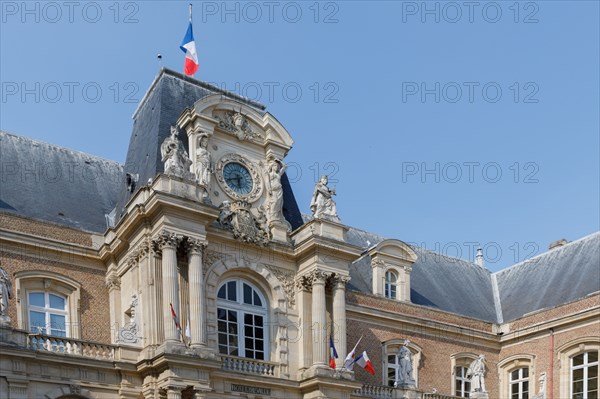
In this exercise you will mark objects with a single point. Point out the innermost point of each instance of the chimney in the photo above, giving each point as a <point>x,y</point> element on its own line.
<point>479,258</point>
<point>558,243</point>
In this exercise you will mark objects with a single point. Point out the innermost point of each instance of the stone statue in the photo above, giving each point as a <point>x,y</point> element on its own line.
<point>405,378</point>
<point>6,292</point>
<point>203,167</point>
<point>175,157</point>
<point>322,204</point>
<point>276,169</point>
<point>475,374</point>
<point>542,392</point>
<point>225,215</point>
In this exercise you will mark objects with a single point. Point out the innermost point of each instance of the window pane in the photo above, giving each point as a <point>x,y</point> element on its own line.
<point>37,322</point>
<point>593,395</point>
<point>57,302</point>
<point>57,322</point>
<point>577,386</point>
<point>391,376</point>
<point>222,339</point>
<point>249,343</point>
<point>36,299</point>
<point>592,384</point>
<point>525,372</point>
<point>392,359</point>
<point>232,315</point>
<point>221,313</point>
<point>258,321</point>
<point>259,333</point>
<point>525,386</point>
<point>232,291</point>
<point>592,357</point>
<point>592,371</point>
<point>578,360</point>
<point>578,374</point>
<point>514,375</point>
<point>223,349</point>
<point>248,319</point>
<point>247,294</point>
<point>260,345</point>
<point>222,292</point>
<point>257,300</point>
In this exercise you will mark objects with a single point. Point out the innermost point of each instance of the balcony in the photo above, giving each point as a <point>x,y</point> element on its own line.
<point>71,346</point>
<point>250,366</point>
<point>387,392</point>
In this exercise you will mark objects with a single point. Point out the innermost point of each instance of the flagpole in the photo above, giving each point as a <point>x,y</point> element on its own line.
<point>190,12</point>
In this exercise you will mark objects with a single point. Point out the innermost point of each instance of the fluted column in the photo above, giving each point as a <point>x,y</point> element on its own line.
<point>319,318</point>
<point>167,242</point>
<point>196,284</point>
<point>339,314</point>
<point>173,393</point>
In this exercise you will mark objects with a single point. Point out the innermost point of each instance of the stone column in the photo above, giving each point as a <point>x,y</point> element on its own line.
<point>113,283</point>
<point>319,318</point>
<point>168,245</point>
<point>173,393</point>
<point>196,291</point>
<point>339,314</point>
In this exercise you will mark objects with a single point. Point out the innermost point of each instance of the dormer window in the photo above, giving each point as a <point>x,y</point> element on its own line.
<point>391,284</point>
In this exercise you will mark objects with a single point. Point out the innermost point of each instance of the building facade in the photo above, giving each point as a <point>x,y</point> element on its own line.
<point>190,272</point>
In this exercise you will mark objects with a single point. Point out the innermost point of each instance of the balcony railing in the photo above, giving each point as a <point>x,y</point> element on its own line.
<point>439,396</point>
<point>375,391</point>
<point>249,366</point>
<point>70,346</point>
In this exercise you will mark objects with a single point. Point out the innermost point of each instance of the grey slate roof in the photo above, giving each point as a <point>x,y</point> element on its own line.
<point>46,182</point>
<point>437,281</point>
<point>558,276</point>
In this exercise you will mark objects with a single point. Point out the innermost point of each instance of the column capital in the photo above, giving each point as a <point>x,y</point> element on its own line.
<point>339,282</point>
<point>307,280</point>
<point>113,282</point>
<point>166,239</point>
<point>195,246</point>
<point>377,263</point>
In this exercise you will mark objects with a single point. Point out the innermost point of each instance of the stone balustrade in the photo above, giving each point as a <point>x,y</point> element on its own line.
<point>375,391</point>
<point>249,366</point>
<point>70,346</point>
<point>439,396</point>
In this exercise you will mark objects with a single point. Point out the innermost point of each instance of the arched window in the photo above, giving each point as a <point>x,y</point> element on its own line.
<point>391,284</point>
<point>48,313</point>
<point>517,376</point>
<point>242,320</point>
<point>584,375</point>
<point>391,365</point>
<point>519,383</point>
<point>462,385</point>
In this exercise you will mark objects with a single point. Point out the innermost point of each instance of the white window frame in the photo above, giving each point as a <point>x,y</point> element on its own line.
<point>241,309</point>
<point>48,311</point>
<point>463,391</point>
<point>391,348</point>
<point>389,286</point>
<point>519,382</point>
<point>52,283</point>
<point>585,366</point>
<point>461,359</point>
<point>565,353</point>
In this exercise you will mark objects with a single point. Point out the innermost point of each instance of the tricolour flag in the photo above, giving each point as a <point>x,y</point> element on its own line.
<point>334,354</point>
<point>175,319</point>
<point>188,46</point>
<point>364,362</point>
<point>349,361</point>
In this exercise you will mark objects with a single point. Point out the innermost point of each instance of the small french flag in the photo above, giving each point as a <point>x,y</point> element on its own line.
<point>364,362</point>
<point>334,354</point>
<point>188,46</point>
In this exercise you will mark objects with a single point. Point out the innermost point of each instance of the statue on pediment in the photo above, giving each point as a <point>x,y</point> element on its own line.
<point>275,170</point>
<point>542,391</point>
<point>6,292</point>
<point>175,157</point>
<point>322,204</point>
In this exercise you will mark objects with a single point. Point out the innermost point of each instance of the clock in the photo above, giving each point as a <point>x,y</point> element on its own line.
<point>238,178</point>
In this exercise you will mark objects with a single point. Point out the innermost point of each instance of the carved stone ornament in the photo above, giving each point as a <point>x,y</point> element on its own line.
<point>322,204</point>
<point>377,263</point>
<point>175,157</point>
<point>257,184</point>
<point>113,282</point>
<point>237,124</point>
<point>128,334</point>
<point>286,278</point>
<point>193,245</point>
<point>246,227</point>
<point>75,389</point>
<point>166,239</point>
<point>306,281</point>
<point>338,281</point>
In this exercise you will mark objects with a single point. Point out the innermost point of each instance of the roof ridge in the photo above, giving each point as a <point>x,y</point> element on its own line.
<point>58,147</point>
<point>559,249</point>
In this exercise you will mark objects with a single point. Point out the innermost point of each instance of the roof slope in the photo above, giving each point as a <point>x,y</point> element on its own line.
<point>438,281</point>
<point>55,184</point>
<point>553,278</point>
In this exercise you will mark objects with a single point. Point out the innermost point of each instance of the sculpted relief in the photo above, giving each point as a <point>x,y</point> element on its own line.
<point>175,157</point>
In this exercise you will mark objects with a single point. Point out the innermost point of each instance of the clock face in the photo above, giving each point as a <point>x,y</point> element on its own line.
<point>238,178</point>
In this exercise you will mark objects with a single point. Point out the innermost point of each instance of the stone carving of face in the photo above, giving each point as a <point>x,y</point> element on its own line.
<point>203,141</point>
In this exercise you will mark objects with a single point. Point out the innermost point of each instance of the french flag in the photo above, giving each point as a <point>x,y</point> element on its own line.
<point>364,362</point>
<point>334,354</point>
<point>188,46</point>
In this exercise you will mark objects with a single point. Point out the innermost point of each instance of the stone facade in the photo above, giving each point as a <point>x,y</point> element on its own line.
<point>188,296</point>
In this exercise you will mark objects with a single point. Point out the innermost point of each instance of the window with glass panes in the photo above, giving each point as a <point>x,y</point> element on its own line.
<point>462,385</point>
<point>392,370</point>
<point>519,383</point>
<point>242,317</point>
<point>584,375</point>
<point>391,280</point>
<point>47,313</point>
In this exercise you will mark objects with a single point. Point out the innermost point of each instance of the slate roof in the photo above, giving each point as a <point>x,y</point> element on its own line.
<point>558,276</point>
<point>46,182</point>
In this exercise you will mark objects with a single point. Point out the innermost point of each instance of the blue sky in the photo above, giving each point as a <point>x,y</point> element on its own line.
<point>441,123</point>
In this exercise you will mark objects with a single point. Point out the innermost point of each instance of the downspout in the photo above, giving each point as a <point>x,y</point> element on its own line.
<point>551,371</point>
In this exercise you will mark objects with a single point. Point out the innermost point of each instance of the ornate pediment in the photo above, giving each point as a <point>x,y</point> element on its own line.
<point>236,123</point>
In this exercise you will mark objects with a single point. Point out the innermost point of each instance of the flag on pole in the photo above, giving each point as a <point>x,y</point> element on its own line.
<point>364,362</point>
<point>334,354</point>
<point>349,361</point>
<point>175,319</point>
<point>188,46</point>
